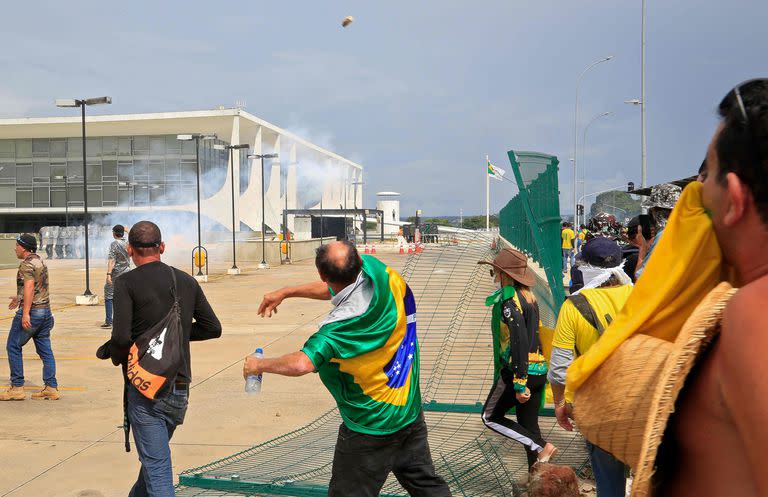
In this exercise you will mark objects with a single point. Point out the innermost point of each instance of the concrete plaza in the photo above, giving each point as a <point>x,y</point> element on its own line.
<point>74,446</point>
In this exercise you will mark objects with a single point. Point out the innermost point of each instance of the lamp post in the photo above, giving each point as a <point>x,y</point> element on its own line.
<point>197,137</point>
<point>575,129</point>
<point>234,269</point>
<point>643,165</point>
<point>263,264</point>
<point>88,297</point>
<point>583,149</point>
<point>354,218</point>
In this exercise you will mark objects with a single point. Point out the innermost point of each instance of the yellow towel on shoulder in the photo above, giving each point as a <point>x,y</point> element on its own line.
<point>685,265</point>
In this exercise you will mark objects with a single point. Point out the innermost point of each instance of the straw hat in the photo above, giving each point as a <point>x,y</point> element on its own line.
<point>624,406</point>
<point>514,264</point>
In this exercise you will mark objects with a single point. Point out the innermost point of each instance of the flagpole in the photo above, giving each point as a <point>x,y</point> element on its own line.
<point>487,195</point>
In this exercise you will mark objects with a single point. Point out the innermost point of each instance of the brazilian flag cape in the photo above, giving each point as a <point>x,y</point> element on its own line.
<point>370,361</point>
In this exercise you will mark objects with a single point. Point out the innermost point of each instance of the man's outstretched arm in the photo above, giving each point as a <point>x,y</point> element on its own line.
<point>293,364</point>
<point>317,290</point>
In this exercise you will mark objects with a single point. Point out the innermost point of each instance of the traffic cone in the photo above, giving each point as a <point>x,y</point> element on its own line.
<point>373,249</point>
<point>367,249</point>
<point>419,248</point>
<point>402,250</point>
<point>410,248</point>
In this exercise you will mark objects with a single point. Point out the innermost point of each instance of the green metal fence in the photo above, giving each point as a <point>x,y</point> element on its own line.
<point>531,220</point>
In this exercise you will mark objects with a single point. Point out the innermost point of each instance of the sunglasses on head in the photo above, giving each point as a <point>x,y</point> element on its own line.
<point>737,93</point>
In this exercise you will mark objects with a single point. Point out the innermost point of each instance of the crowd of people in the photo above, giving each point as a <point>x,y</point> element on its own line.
<point>366,350</point>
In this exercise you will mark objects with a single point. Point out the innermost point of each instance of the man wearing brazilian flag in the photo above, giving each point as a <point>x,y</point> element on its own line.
<point>367,354</point>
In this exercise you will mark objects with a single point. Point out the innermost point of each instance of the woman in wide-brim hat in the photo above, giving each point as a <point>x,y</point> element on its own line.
<point>520,370</point>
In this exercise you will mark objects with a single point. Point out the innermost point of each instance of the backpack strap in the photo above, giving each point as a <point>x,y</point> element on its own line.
<point>174,291</point>
<point>587,311</point>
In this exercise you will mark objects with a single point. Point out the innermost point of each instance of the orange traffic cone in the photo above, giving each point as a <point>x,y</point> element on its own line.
<point>402,250</point>
<point>367,249</point>
<point>373,249</point>
<point>419,248</point>
<point>410,248</point>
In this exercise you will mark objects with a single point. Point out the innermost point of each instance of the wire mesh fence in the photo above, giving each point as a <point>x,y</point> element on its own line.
<point>456,376</point>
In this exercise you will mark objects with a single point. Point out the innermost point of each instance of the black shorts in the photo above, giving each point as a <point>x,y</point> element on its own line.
<point>362,463</point>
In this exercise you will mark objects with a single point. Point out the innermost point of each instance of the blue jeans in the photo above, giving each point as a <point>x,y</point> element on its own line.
<point>567,254</point>
<point>153,424</point>
<point>40,333</point>
<point>108,310</point>
<point>610,476</point>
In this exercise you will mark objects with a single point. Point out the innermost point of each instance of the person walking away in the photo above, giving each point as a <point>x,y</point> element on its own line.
<point>33,321</point>
<point>367,355</point>
<point>520,370</point>
<point>581,237</point>
<point>567,236</point>
<point>143,297</point>
<point>582,319</point>
<point>118,262</point>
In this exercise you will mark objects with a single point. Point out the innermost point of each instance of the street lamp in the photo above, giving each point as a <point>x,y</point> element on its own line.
<point>83,103</point>
<point>263,264</point>
<point>643,165</point>
<point>584,148</point>
<point>197,137</point>
<point>234,269</point>
<point>575,129</point>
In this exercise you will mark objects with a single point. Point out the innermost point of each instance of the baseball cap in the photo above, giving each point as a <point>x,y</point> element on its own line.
<point>602,252</point>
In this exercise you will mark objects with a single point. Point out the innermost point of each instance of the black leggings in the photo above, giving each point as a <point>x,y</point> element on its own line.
<point>526,430</point>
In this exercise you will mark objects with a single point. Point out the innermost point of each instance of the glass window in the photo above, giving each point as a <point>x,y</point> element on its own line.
<point>188,172</point>
<point>58,198</point>
<point>75,194</point>
<point>8,170</point>
<point>109,146</point>
<point>93,147</point>
<point>24,175</point>
<point>188,147</point>
<point>125,171</point>
<point>58,148</point>
<point>40,194</point>
<point>40,147</point>
<point>94,173</point>
<point>58,170</point>
<point>110,193</point>
<point>75,170</point>
<point>109,168</point>
<point>140,167</point>
<point>94,198</point>
<point>7,195</point>
<point>172,169</point>
<point>156,171</point>
<point>124,146</point>
<point>23,149</point>
<point>140,195</point>
<point>74,147</point>
<point>41,169</point>
<point>7,149</point>
<point>140,145</point>
<point>157,145</point>
<point>157,195</point>
<point>23,198</point>
<point>172,145</point>
<point>124,198</point>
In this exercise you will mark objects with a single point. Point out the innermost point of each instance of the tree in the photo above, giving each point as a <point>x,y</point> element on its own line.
<point>621,204</point>
<point>478,222</point>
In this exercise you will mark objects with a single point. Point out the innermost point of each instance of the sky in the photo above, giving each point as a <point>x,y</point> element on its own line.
<point>417,92</point>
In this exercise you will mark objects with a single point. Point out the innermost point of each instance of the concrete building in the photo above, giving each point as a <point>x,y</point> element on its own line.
<point>136,163</point>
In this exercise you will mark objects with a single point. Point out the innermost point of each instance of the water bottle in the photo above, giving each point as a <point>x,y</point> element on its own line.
<point>253,382</point>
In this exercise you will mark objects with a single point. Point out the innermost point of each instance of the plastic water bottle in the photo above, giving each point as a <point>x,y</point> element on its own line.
<point>253,382</point>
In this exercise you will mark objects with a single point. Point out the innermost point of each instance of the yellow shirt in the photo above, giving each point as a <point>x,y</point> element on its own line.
<point>582,235</point>
<point>567,235</point>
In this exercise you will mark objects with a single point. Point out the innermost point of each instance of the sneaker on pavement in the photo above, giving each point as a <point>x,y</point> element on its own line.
<point>47,393</point>
<point>106,325</point>
<point>13,393</point>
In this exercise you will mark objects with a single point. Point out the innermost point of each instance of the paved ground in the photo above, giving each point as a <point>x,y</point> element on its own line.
<point>73,447</point>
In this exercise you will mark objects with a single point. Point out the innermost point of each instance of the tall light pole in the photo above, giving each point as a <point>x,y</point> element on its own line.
<point>354,218</point>
<point>263,264</point>
<point>83,103</point>
<point>234,269</point>
<point>197,137</point>
<point>583,149</point>
<point>575,129</point>
<point>644,167</point>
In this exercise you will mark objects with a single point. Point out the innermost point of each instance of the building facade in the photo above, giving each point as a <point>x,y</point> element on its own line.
<point>136,163</point>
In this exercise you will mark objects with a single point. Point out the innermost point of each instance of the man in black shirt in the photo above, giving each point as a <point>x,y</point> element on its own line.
<point>142,298</point>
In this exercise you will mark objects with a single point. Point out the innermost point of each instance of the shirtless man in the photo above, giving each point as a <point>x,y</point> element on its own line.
<point>715,444</point>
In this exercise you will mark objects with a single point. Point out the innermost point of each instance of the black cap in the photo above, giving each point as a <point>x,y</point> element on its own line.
<point>602,252</point>
<point>27,241</point>
<point>118,230</point>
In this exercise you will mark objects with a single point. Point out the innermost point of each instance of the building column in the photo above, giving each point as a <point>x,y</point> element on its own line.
<point>290,184</point>
<point>235,140</point>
